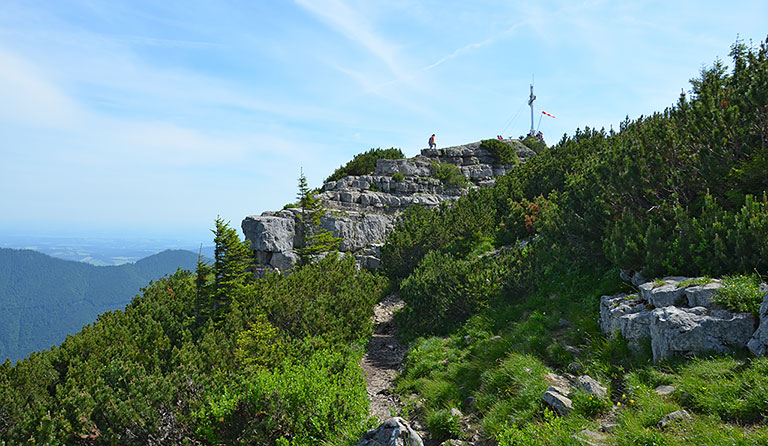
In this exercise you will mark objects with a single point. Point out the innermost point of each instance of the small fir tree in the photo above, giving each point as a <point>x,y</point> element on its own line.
<point>317,240</point>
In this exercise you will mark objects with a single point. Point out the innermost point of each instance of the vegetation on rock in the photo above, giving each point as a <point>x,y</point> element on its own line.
<point>365,163</point>
<point>502,151</point>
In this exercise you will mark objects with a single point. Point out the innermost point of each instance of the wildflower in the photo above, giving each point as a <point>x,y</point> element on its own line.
<point>618,403</point>
<point>631,401</point>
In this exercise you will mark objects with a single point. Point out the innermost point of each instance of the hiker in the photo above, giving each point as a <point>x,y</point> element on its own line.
<point>499,137</point>
<point>432,141</point>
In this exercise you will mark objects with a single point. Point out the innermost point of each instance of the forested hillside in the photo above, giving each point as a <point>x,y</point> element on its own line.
<point>42,299</point>
<point>501,287</point>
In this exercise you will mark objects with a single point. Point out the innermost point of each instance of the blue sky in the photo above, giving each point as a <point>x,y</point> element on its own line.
<point>154,117</point>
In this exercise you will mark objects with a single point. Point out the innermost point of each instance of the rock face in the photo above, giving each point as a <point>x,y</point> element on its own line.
<point>393,432</point>
<point>363,209</point>
<point>660,314</point>
<point>758,344</point>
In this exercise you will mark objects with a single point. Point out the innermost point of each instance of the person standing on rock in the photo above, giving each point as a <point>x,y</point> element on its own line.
<point>432,142</point>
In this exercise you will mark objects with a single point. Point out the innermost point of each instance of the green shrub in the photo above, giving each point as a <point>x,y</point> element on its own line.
<point>444,291</point>
<point>397,176</point>
<point>442,424</point>
<point>741,294</point>
<point>503,152</point>
<point>449,174</point>
<point>365,163</point>
<point>589,405</point>
<point>305,402</point>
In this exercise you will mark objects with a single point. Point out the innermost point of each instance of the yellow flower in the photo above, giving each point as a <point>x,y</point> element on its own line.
<point>623,396</point>
<point>631,401</point>
<point>618,403</point>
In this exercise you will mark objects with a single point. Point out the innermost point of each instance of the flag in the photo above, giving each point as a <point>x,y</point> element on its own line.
<point>548,114</point>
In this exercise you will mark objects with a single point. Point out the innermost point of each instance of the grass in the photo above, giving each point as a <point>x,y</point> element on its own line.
<point>741,294</point>
<point>494,367</point>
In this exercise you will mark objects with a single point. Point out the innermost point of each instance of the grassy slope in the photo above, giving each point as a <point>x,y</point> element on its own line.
<point>583,208</point>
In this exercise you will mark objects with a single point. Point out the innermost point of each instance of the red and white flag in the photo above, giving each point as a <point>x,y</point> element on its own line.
<point>548,114</point>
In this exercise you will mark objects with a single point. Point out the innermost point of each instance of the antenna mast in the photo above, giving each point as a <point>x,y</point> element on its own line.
<point>530,102</point>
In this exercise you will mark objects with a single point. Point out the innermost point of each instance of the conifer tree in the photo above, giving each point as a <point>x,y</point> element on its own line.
<point>317,240</point>
<point>232,267</point>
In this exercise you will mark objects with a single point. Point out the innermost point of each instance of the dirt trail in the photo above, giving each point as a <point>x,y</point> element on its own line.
<point>383,359</point>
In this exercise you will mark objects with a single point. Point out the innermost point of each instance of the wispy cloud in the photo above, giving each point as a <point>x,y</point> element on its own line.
<point>473,46</point>
<point>356,28</point>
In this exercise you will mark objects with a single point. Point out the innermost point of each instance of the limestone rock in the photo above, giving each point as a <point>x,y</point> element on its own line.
<point>557,401</point>
<point>393,432</point>
<point>626,314</point>
<point>686,331</point>
<point>758,344</point>
<point>665,295</point>
<point>702,295</point>
<point>670,418</point>
<point>664,390</point>
<point>269,233</point>
<point>362,209</point>
<point>592,386</point>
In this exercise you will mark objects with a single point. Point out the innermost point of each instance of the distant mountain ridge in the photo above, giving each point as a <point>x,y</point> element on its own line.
<point>43,299</point>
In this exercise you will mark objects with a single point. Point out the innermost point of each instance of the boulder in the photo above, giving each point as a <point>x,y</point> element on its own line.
<point>393,432</point>
<point>557,401</point>
<point>689,331</point>
<point>285,260</point>
<point>702,295</point>
<point>269,233</point>
<point>758,344</point>
<point>592,386</point>
<point>666,295</point>
<point>626,314</point>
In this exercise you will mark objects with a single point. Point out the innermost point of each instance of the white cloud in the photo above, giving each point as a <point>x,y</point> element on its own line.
<point>29,98</point>
<point>356,28</point>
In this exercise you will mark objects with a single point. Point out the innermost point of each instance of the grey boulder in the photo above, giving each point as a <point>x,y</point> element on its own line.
<point>393,432</point>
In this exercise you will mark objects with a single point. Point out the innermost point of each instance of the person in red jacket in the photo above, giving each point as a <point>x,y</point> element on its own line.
<point>432,141</point>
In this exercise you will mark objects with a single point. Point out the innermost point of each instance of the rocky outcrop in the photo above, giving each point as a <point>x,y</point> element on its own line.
<point>393,432</point>
<point>363,209</point>
<point>678,319</point>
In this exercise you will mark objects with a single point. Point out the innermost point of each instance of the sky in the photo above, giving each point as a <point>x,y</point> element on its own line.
<point>155,117</point>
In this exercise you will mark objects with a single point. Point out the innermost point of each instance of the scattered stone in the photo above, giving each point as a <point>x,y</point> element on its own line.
<point>557,401</point>
<point>592,386</point>
<point>575,367</point>
<point>608,427</point>
<point>393,432</point>
<point>454,443</point>
<point>673,417</point>
<point>664,390</point>
<point>456,413</point>
<point>591,438</point>
<point>571,349</point>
